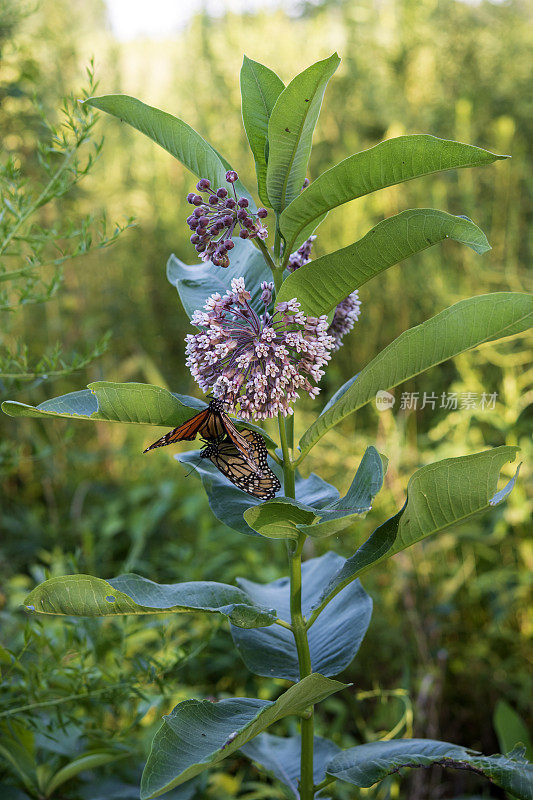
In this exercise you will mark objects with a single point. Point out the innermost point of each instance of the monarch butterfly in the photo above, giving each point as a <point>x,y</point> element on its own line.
<point>227,458</point>
<point>211,424</point>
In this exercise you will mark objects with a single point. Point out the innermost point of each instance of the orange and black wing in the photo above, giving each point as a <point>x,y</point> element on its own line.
<point>186,432</point>
<point>259,482</point>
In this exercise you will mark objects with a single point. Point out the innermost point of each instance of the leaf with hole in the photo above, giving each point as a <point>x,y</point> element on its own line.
<point>87,596</point>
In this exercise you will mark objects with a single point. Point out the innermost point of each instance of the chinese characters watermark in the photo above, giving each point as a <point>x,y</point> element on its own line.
<point>450,401</point>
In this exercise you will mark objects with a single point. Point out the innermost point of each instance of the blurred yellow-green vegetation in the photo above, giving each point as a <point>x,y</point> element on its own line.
<point>451,631</point>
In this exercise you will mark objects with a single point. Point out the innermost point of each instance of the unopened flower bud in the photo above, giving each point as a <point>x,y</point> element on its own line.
<point>262,213</point>
<point>231,176</point>
<point>190,197</point>
<point>222,192</point>
<point>197,200</point>
<point>203,184</point>
<point>243,202</point>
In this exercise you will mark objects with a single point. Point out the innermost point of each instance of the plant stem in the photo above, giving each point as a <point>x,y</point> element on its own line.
<point>298,624</point>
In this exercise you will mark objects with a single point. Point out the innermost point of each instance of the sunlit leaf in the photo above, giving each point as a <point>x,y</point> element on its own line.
<point>87,596</point>
<point>321,284</point>
<point>260,88</point>
<point>198,734</point>
<point>388,163</point>
<point>171,133</point>
<point>460,327</point>
<point>290,131</point>
<point>439,496</point>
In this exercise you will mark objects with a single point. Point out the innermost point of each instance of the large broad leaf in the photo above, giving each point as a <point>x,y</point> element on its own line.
<point>196,283</point>
<point>286,518</point>
<point>367,764</point>
<point>87,596</point>
<point>198,734</point>
<point>281,755</point>
<point>290,131</point>
<point>321,284</point>
<point>260,88</point>
<point>171,133</point>
<point>334,638</point>
<point>460,327</point>
<point>439,496</point>
<point>228,503</point>
<point>390,162</point>
<point>140,403</point>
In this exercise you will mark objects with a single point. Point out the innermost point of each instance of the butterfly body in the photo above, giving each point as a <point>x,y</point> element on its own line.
<point>227,458</point>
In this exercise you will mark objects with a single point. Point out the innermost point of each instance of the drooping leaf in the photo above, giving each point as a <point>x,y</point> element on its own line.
<point>439,496</point>
<point>334,638</point>
<point>260,88</point>
<point>290,131</point>
<point>228,503</point>
<point>388,163</point>
<point>460,327</point>
<point>172,134</point>
<point>286,518</point>
<point>87,596</point>
<point>321,284</point>
<point>87,761</point>
<point>139,403</point>
<point>511,729</point>
<point>196,283</point>
<point>198,734</point>
<point>281,755</point>
<point>367,764</point>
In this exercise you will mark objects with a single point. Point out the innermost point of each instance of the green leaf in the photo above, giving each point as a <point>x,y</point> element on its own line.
<point>198,734</point>
<point>388,163</point>
<point>290,131</point>
<point>86,761</point>
<point>139,403</point>
<point>279,519</point>
<point>367,764</point>
<point>460,327</point>
<point>334,638</point>
<point>281,755</point>
<point>196,283</point>
<point>337,516</point>
<point>439,496</point>
<point>171,133</point>
<point>17,748</point>
<point>260,88</point>
<point>511,729</point>
<point>87,596</point>
<point>321,284</point>
<point>228,503</point>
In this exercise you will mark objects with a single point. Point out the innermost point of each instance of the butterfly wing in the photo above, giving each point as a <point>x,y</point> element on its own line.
<point>257,482</point>
<point>186,432</point>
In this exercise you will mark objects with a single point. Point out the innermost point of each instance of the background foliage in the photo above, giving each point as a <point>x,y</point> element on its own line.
<point>450,633</point>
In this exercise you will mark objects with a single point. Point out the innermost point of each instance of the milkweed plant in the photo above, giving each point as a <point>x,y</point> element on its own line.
<point>266,320</point>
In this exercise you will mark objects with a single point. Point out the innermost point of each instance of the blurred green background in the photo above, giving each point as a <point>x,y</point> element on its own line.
<point>451,633</point>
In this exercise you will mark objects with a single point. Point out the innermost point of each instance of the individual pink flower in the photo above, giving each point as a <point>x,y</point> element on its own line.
<point>257,363</point>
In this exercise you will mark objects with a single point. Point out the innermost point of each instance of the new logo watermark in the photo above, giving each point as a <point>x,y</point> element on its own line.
<point>384,400</point>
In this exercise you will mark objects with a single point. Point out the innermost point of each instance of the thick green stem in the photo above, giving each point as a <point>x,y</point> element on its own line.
<point>298,623</point>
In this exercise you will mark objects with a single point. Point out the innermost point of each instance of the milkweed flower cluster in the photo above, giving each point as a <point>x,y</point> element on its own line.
<point>218,217</point>
<point>257,362</point>
<point>348,310</point>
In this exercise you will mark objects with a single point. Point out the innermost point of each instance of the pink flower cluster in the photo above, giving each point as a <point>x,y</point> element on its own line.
<point>348,310</point>
<point>257,362</point>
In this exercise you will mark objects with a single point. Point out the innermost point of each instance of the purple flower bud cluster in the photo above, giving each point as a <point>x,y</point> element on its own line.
<point>301,256</point>
<point>348,310</point>
<point>216,218</point>
<point>257,362</point>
